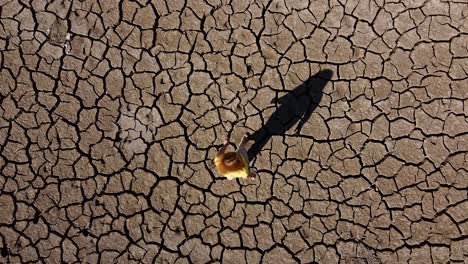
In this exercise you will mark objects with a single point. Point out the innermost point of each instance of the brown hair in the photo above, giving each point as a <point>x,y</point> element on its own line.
<point>230,162</point>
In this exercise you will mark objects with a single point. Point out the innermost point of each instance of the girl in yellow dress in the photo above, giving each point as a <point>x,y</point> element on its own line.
<point>234,164</point>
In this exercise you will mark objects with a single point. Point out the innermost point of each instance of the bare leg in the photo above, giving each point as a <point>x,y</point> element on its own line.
<point>223,148</point>
<point>243,151</point>
<point>241,148</point>
<point>259,138</point>
<point>244,140</point>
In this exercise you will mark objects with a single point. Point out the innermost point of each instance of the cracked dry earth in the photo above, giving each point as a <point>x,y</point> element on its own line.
<point>111,113</point>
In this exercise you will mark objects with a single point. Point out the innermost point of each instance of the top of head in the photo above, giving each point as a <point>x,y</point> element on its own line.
<point>230,158</point>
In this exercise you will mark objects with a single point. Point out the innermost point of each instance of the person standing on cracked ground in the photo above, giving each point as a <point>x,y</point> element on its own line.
<point>234,164</point>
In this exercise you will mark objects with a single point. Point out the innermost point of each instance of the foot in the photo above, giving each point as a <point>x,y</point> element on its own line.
<point>245,138</point>
<point>252,175</point>
<point>226,140</point>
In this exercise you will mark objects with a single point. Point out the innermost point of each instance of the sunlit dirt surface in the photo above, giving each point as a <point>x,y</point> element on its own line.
<point>112,112</point>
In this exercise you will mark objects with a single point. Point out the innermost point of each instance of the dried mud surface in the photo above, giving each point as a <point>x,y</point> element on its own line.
<point>112,111</point>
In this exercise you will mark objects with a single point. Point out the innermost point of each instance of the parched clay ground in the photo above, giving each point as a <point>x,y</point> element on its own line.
<point>111,114</point>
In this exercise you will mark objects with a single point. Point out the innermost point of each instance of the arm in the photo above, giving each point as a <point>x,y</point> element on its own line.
<point>224,147</point>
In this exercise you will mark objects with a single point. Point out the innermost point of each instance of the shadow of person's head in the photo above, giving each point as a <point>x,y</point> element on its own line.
<point>295,107</point>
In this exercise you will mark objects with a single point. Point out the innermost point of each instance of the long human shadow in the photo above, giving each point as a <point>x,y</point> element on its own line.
<point>294,107</point>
